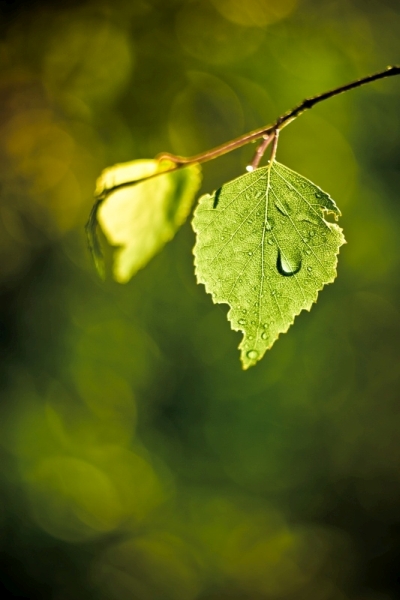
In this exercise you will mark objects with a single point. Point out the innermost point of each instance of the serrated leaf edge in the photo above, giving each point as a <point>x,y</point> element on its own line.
<point>199,280</point>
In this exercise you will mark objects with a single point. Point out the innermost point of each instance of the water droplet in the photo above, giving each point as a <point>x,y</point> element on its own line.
<point>312,233</point>
<point>244,311</point>
<point>250,253</point>
<point>242,321</point>
<point>318,195</point>
<point>253,322</point>
<point>282,209</point>
<point>265,325</point>
<point>309,269</point>
<point>273,293</point>
<point>270,242</point>
<point>308,251</point>
<point>240,280</point>
<point>252,354</point>
<point>287,267</point>
<point>264,335</point>
<point>249,337</point>
<point>222,237</point>
<point>305,240</point>
<point>268,226</point>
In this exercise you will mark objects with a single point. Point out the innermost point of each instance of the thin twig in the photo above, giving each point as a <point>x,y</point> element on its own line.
<point>282,121</point>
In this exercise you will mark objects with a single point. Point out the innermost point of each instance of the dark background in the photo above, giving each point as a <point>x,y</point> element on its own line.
<point>137,460</point>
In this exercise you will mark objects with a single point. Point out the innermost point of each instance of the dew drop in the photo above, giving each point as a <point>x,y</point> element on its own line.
<point>253,322</point>
<point>308,251</point>
<point>273,293</point>
<point>286,267</point>
<point>249,337</point>
<point>318,195</point>
<point>268,226</point>
<point>282,209</point>
<point>305,240</point>
<point>244,311</point>
<point>312,233</point>
<point>250,253</point>
<point>264,335</point>
<point>309,269</point>
<point>222,237</point>
<point>242,321</point>
<point>252,354</point>
<point>270,242</point>
<point>265,325</point>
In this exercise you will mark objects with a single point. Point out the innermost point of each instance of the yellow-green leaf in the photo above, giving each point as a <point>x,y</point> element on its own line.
<point>264,247</point>
<point>140,218</point>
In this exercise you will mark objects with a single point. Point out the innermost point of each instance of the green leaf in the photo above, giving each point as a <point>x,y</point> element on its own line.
<point>139,219</point>
<point>264,247</point>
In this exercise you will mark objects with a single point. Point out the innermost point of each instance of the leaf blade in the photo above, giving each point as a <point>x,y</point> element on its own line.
<point>264,248</point>
<point>141,218</point>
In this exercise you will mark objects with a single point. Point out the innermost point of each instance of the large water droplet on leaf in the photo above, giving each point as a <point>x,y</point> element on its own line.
<point>287,267</point>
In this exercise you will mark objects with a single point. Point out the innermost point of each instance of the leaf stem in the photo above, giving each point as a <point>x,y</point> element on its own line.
<point>260,152</point>
<point>274,146</point>
<point>268,132</point>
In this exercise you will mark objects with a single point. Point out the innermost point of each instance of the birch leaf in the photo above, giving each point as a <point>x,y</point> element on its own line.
<point>139,219</point>
<point>264,247</point>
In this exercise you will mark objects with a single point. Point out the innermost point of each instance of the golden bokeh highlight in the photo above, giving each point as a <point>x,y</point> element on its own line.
<point>255,13</point>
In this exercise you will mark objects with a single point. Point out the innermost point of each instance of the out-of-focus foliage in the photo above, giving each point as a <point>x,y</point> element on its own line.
<point>137,460</point>
<point>264,248</point>
<point>143,217</point>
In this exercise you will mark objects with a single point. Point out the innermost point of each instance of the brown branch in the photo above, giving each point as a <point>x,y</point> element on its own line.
<point>264,132</point>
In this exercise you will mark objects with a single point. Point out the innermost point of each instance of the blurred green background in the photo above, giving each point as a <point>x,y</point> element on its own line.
<point>137,460</point>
